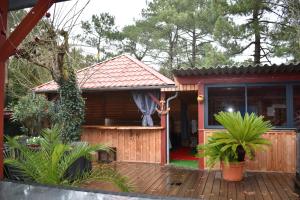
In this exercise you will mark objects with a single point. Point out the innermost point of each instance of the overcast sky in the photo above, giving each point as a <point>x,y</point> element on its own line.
<point>125,11</point>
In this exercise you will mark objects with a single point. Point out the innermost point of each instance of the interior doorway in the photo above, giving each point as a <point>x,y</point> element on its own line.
<point>184,130</point>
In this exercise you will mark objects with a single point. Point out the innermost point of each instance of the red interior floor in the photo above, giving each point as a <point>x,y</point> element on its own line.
<point>183,153</point>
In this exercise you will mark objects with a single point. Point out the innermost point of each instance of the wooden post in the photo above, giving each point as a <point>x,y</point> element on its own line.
<point>201,121</point>
<point>3,27</point>
<point>8,47</point>
<point>163,133</point>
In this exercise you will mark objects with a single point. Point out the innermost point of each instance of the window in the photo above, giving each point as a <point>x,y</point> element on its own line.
<point>269,101</point>
<point>228,99</point>
<point>296,104</point>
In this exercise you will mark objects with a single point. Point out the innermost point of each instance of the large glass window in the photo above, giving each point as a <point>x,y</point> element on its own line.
<point>296,102</point>
<point>228,99</point>
<point>269,101</point>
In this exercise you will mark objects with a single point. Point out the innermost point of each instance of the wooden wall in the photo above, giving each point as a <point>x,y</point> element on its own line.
<point>133,145</point>
<point>118,106</point>
<point>181,87</point>
<point>279,157</point>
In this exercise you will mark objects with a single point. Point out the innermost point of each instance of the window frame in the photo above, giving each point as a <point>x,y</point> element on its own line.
<point>288,96</point>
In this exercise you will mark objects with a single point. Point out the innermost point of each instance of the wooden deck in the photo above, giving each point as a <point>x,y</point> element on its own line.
<point>169,181</point>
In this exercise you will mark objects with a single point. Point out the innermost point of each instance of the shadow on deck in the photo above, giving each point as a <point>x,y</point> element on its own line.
<point>152,179</point>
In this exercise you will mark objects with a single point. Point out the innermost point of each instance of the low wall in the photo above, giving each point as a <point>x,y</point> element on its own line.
<point>279,157</point>
<point>134,144</point>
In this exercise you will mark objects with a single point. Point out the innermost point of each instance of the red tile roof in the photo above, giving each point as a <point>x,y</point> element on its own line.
<point>121,72</point>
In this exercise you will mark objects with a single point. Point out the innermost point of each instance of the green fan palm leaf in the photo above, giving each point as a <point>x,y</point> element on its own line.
<point>242,136</point>
<point>51,162</point>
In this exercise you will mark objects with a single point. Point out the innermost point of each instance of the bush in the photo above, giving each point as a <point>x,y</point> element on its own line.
<point>53,162</point>
<point>33,112</point>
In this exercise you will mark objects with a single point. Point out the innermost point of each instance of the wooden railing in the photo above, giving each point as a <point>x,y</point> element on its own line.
<point>279,157</point>
<point>133,143</point>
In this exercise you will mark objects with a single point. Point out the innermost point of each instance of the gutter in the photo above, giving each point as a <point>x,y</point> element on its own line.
<point>168,127</point>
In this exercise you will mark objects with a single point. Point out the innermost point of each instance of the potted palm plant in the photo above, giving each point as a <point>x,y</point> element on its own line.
<point>240,139</point>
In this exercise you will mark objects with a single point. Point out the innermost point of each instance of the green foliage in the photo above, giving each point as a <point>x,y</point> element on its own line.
<point>242,137</point>
<point>70,108</point>
<point>33,112</point>
<point>268,28</point>
<point>50,163</point>
<point>34,140</point>
<point>99,33</point>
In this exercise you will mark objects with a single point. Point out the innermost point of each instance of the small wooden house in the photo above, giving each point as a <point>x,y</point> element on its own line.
<point>121,97</point>
<point>269,90</point>
<point>116,91</point>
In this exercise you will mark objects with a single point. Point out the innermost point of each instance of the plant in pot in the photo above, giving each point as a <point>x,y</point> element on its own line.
<point>34,142</point>
<point>240,139</point>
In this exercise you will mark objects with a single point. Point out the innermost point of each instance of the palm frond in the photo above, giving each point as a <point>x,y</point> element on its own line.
<point>240,131</point>
<point>51,162</point>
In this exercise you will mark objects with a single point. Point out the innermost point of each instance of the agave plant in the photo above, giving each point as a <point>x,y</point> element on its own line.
<point>51,162</point>
<point>242,137</point>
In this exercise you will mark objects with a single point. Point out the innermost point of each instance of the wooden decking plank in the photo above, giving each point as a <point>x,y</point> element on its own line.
<point>240,195</point>
<point>223,190</point>
<point>253,184</point>
<point>231,194</point>
<point>248,188</point>
<point>179,189</point>
<point>209,184</point>
<point>262,186</point>
<point>289,179</point>
<point>153,188</point>
<point>141,176</point>
<point>270,187</point>
<point>282,182</point>
<point>191,188</point>
<point>201,185</point>
<point>282,193</point>
<point>155,180</point>
<point>216,186</point>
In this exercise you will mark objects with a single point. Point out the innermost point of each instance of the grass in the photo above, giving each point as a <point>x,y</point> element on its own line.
<point>192,164</point>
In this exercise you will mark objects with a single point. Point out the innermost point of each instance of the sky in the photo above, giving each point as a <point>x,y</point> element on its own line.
<point>125,11</point>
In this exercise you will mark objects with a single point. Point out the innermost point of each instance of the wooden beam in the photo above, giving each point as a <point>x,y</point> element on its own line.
<point>163,133</point>
<point>24,28</point>
<point>9,45</point>
<point>201,122</point>
<point>235,79</point>
<point>3,28</point>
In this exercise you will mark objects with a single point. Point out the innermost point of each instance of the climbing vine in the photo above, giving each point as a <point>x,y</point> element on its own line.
<point>70,108</point>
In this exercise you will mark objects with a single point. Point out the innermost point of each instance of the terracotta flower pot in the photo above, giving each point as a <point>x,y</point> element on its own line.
<point>233,171</point>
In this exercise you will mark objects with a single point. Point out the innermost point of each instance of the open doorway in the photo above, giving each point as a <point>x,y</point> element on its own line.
<point>184,130</point>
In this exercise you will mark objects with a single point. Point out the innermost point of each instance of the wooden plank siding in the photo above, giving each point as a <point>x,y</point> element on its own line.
<point>133,145</point>
<point>180,87</point>
<point>279,157</point>
<point>119,107</point>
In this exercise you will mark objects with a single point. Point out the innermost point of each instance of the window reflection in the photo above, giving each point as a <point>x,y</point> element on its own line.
<point>296,101</point>
<point>228,99</point>
<point>269,101</point>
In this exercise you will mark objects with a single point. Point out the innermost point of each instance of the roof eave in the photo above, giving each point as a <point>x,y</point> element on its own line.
<point>114,88</point>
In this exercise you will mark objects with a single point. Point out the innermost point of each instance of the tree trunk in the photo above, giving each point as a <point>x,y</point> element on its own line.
<point>194,41</point>
<point>256,27</point>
